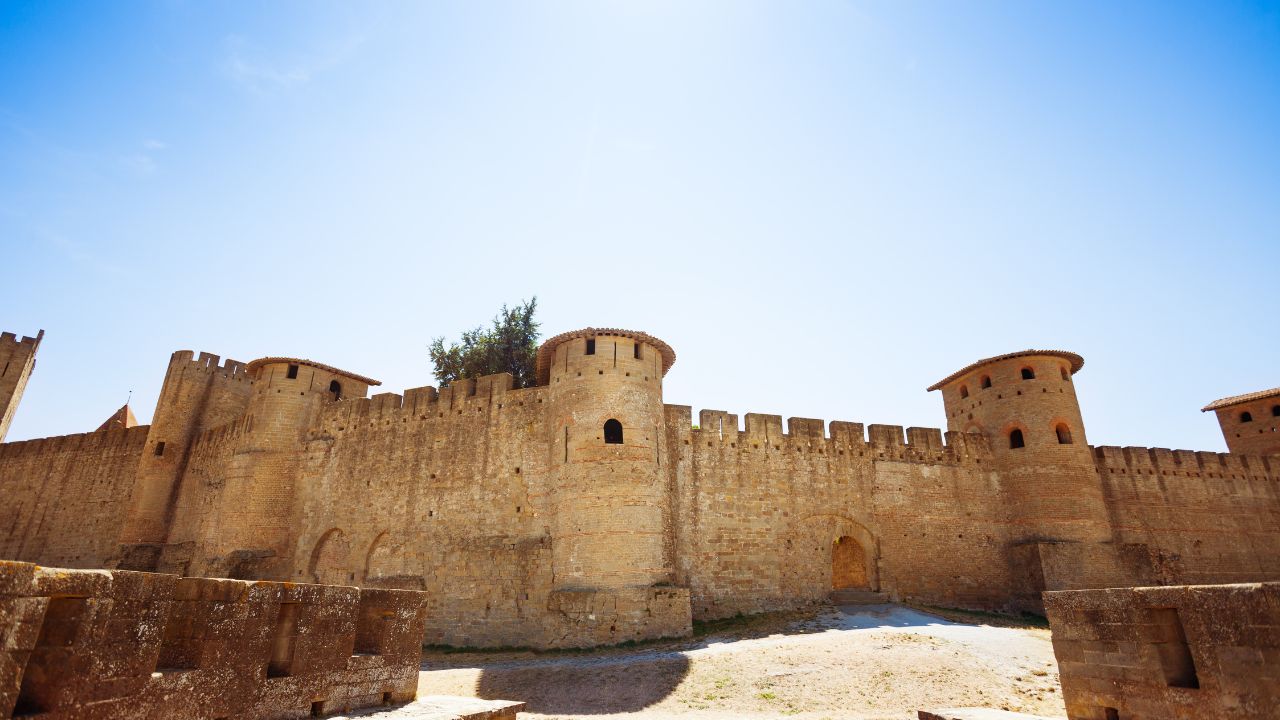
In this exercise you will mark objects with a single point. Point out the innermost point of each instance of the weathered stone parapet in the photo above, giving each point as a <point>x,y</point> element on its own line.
<point>120,644</point>
<point>1186,652</point>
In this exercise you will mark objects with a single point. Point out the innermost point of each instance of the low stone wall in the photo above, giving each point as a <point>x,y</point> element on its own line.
<point>122,645</point>
<point>1188,652</point>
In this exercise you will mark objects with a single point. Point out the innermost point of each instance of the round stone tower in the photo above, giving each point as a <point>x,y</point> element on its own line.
<point>1059,530</point>
<point>610,502</point>
<point>1250,423</point>
<point>611,541</point>
<point>1025,403</point>
<point>256,509</point>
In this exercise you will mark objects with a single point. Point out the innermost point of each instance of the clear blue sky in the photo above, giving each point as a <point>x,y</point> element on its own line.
<point>824,207</point>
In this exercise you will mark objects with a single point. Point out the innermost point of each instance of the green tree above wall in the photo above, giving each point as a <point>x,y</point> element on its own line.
<point>509,346</point>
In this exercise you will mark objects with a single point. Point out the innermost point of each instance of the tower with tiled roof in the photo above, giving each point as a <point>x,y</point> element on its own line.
<point>1251,422</point>
<point>120,420</point>
<point>611,511</point>
<point>1025,403</point>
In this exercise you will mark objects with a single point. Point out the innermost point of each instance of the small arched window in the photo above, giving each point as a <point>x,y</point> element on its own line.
<point>1065,374</point>
<point>612,432</point>
<point>1028,374</point>
<point>1015,439</point>
<point>964,391</point>
<point>1064,434</point>
<point>986,381</point>
<point>1246,416</point>
<point>335,389</point>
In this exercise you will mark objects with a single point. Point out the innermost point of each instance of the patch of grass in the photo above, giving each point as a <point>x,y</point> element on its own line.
<point>767,695</point>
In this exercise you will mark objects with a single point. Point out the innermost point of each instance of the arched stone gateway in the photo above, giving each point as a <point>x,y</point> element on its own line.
<point>848,565</point>
<point>830,552</point>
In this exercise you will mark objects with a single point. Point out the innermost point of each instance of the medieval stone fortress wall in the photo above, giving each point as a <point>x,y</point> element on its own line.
<point>587,511</point>
<point>17,360</point>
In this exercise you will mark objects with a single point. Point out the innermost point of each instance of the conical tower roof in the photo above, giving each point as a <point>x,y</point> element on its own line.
<point>122,418</point>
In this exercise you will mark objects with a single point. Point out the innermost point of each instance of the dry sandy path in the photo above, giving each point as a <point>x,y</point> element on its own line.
<point>867,662</point>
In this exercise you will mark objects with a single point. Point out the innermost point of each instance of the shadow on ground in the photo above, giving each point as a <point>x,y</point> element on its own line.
<point>630,679</point>
<point>581,686</point>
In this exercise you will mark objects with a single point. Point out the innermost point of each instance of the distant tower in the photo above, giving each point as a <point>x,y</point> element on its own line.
<point>610,506</point>
<point>17,360</point>
<point>1025,403</point>
<point>198,394</point>
<point>1250,423</point>
<point>255,523</point>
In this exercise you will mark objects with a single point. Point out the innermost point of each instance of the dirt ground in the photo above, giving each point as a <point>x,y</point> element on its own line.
<point>867,663</point>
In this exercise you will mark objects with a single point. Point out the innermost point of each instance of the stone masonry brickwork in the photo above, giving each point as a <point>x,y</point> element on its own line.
<point>1168,653</point>
<point>1250,423</point>
<point>587,511</point>
<point>126,645</point>
<point>17,360</point>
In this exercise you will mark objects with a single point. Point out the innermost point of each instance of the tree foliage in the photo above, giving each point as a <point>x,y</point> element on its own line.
<point>509,346</point>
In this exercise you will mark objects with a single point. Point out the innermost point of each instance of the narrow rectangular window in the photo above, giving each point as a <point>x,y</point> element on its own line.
<point>636,349</point>
<point>1175,654</point>
<point>183,641</point>
<point>372,626</point>
<point>657,452</point>
<point>6,370</point>
<point>566,443</point>
<point>160,448</point>
<point>293,372</point>
<point>40,689</point>
<point>286,632</point>
<point>591,347</point>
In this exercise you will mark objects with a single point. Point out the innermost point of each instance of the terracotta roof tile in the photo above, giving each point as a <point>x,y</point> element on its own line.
<point>122,418</point>
<point>300,361</point>
<point>548,348</point>
<point>1237,399</point>
<point>1077,362</point>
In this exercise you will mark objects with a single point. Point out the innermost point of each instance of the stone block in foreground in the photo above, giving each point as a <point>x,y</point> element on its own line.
<point>123,645</point>
<point>1183,652</point>
<point>977,714</point>
<point>447,707</point>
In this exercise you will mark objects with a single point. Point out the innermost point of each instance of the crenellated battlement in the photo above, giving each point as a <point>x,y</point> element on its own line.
<point>522,511</point>
<point>462,399</point>
<point>1142,461</point>
<point>808,435</point>
<point>115,438</point>
<point>208,362</point>
<point>10,341</point>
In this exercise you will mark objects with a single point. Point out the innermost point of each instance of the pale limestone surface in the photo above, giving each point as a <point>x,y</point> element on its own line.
<point>527,528</point>
<point>978,714</point>
<point>442,707</point>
